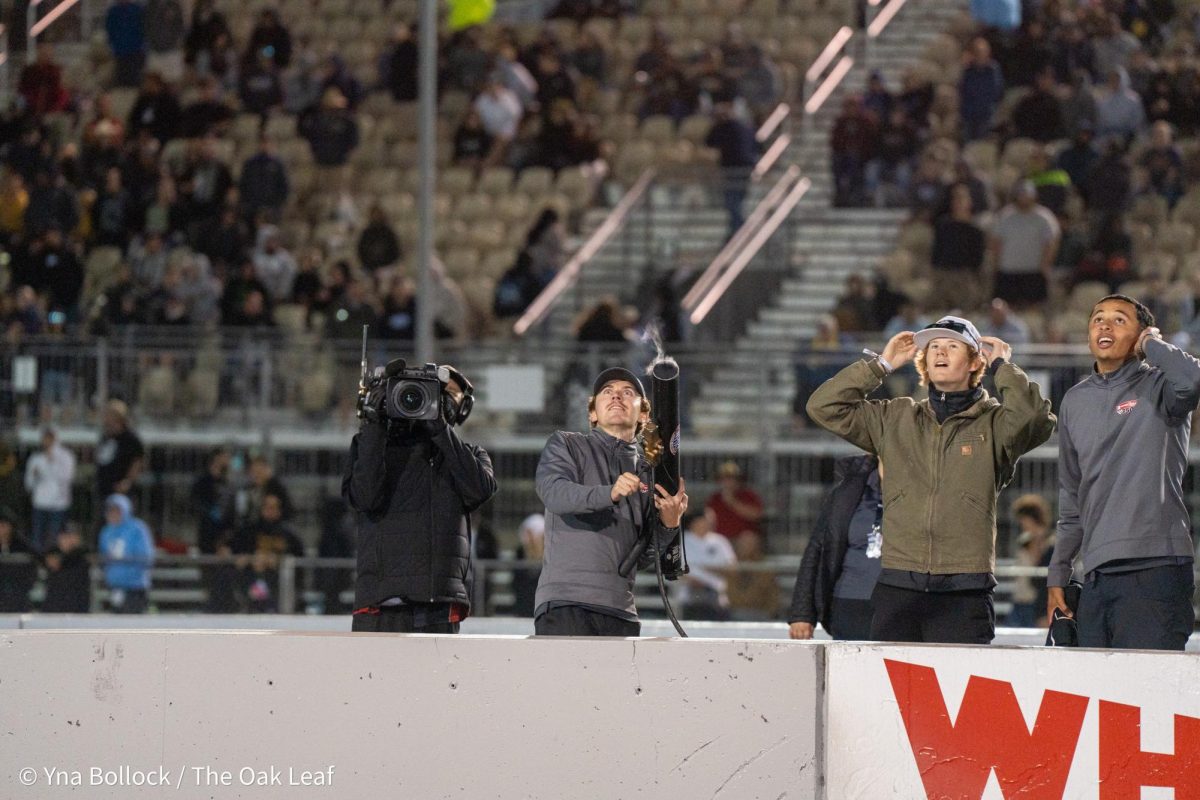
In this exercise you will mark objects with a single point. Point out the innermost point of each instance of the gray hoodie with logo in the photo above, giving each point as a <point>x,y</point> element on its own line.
<point>587,535</point>
<point>1122,453</point>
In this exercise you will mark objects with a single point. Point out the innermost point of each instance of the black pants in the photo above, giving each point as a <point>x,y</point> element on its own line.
<point>578,621</point>
<point>850,620</point>
<point>905,615</point>
<point>136,602</point>
<point>412,618</point>
<point>1148,609</point>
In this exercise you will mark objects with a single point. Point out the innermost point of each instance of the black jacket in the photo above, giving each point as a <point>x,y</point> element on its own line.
<point>410,490</point>
<point>826,550</point>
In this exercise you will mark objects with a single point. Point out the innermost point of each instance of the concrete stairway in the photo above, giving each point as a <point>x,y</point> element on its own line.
<point>827,246</point>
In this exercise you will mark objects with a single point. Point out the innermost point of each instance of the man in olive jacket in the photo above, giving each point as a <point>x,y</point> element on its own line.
<point>945,461</point>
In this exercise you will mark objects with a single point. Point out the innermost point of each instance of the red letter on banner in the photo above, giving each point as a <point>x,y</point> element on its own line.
<point>1125,768</point>
<point>955,758</point>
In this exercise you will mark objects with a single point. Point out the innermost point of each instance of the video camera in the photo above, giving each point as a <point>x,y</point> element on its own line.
<point>414,394</point>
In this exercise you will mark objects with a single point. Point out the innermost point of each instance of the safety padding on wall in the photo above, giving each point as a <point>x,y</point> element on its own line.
<point>126,714</point>
<point>990,723</point>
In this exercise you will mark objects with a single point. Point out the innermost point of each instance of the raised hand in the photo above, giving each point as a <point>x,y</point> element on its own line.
<point>994,348</point>
<point>900,350</point>
<point>670,506</point>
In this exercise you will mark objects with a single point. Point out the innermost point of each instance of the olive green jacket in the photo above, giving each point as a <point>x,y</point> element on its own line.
<point>940,481</point>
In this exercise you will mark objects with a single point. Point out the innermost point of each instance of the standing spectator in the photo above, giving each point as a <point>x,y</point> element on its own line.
<point>207,114</point>
<point>156,110</point>
<point>1119,111</point>
<point>400,74</point>
<point>263,185</point>
<point>1164,164</point>
<point>120,454</point>
<point>980,90</point>
<point>737,155</point>
<point>703,590</point>
<point>332,133</point>
<point>1035,542</point>
<point>516,77</point>
<point>1122,455</point>
<point>760,85</point>
<point>164,34</point>
<point>48,476</point>
<point>58,273</point>
<point>206,180</point>
<point>853,143</point>
<point>41,84</point>
<point>270,36</point>
<point>274,265</point>
<point>1038,115</point>
<point>378,245</point>
<point>263,482</point>
<point>260,86</point>
<point>889,173</point>
<point>18,567</point>
<point>1024,243</point>
<point>113,216</point>
<point>212,503</point>
<point>262,544</point>
<point>125,24</point>
<point>207,30</point>
<point>68,575</point>
<point>532,535</point>
<point>1077,160</point>
<point>877,99</point>
<point>736,508</point>
<point>959,245</point>
<point>128,552</point>
<point>1109,185</point>
<point>841,562</point>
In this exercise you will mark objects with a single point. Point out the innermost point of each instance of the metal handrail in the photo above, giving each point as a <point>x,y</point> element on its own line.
<point>567,276</point>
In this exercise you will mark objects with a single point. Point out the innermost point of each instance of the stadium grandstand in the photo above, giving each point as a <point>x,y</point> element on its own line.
<point>202,206</point>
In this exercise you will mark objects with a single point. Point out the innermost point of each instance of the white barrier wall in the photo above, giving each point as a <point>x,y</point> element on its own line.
<point>957,722</point>
<point>94,713</point>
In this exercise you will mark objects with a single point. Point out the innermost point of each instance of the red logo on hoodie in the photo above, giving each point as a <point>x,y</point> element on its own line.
<point>1126,407</point>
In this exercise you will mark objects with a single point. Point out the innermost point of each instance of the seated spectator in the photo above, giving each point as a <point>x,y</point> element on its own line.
<point>224,239</point>
<point>398,320</point>
<point>41,84</point>
<point>147,261</point>
<point>1119,111</point>
<point>334,73</point>
<point>1077,160</point>
<point>853,142</point>
<point>399,73</point>
<point>1038,115</point>
<point>1030,55</point>
<point>262,544</point>
<point>207,36</point>
<point>515,77</point>
<point>1164,164</point>
<point>350,312</point>
<point>1052,183</point>
<point>889,174</point>
<point>128,552</point>
<point>243,303</point>
<point>500,115</point>
<point>1005,325</point>
<point>205,182</point>
<point>272,36</point>
<point>260,86</point>
<point>546,245</point>
<point>566,139</point>
<point>56,272</point>
<point>263,186</point>
<point>1025,241</point>
<point>516,289</point>
<point>590,59</point>
<point>981,89</point>
<point>737,510</point>
<point>68,575</point>
<point>208,113</point>
<point>274,266</point>
<point>701,594</point>
<point>18,566</point>
<point>855,309</point>
<point>472,144</point>
<point>928,191</point>
<point>378,245</point>
<point>467,62</point>
<point>156,110</point>
<point>916,98</point>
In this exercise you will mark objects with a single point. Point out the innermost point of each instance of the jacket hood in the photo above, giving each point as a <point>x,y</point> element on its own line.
<point>121,502</point>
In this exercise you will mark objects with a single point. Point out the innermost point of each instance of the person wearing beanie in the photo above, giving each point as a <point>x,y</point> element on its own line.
<point>945,460</point>
<point>597,487</point>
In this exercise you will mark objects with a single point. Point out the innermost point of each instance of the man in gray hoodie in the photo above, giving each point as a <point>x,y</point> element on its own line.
<point>1123,450</point>
<point>595,489</point>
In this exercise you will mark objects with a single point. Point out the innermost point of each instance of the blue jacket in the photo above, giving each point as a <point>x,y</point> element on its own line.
<point>126,29</point>
<point>129,544</point>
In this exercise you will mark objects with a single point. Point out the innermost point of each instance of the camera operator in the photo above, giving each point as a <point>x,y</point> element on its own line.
<point>595,487</point>
<point>411,483</point>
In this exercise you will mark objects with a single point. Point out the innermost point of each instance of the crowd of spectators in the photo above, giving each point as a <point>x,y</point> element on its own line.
<point>1041,163</point>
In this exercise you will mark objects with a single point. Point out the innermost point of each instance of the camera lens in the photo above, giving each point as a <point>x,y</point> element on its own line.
<point>412,399</point>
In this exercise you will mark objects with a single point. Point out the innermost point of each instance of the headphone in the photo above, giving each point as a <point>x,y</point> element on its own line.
<point>452,413</point>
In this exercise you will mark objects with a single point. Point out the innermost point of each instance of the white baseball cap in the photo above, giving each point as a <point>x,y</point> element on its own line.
<point>950,328</point>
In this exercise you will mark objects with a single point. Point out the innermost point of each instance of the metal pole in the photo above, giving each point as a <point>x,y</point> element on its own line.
<point>287,585</point>
<point>30,39</point>
<point>426,133</point>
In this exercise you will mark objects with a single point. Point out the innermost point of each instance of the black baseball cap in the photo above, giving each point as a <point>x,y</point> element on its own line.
<point>617,374</point>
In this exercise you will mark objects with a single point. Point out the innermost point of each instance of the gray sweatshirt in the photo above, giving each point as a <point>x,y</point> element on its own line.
<point>587,535</point>
<point>1122,453</point>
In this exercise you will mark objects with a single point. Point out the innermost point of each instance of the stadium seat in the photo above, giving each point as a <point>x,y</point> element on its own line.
<point>1149,208</point>
<point>659,129</point>
<point>472,208</point>
<point>1085,295</point>
<point>535,180</point>
<point>456,180</point>
<point>461,262</point>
